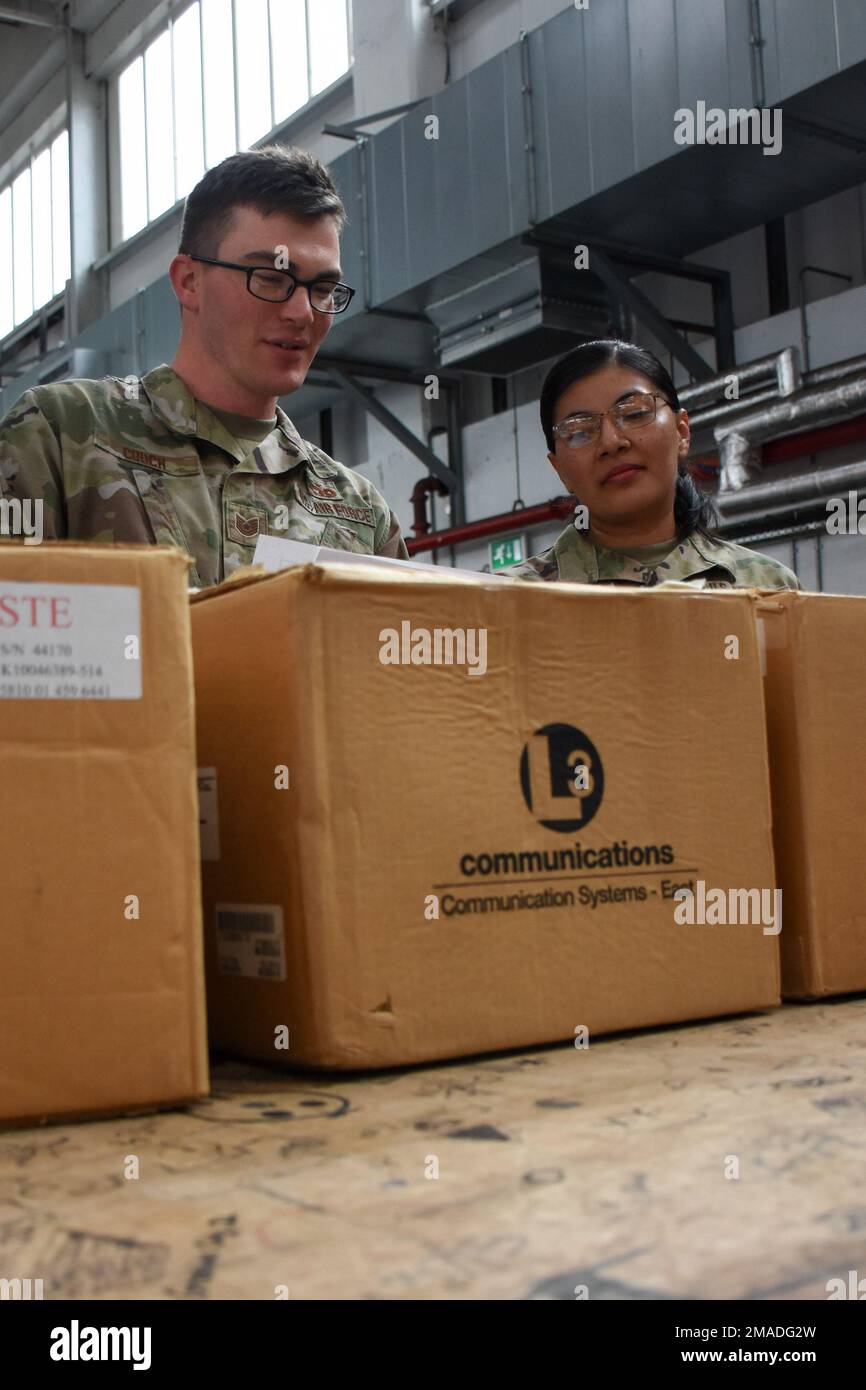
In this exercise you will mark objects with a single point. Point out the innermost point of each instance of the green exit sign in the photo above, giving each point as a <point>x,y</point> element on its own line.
<point>509,550</point>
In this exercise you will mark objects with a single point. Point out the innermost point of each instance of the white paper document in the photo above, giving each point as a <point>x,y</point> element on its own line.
<point>278,553</point>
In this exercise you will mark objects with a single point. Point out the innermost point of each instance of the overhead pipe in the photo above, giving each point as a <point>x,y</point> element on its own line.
<point>784,366</point>
<point>788,381</point>
<point>793,517</point>
<point>494,525</point>
<point>796,446</point>
<point>420,520</point>
<point>421,490</point>
<point>806,487</point>
<point>701,419</point>
<point>819,376</point>
<point>815,406</point>
<point>793,513</point>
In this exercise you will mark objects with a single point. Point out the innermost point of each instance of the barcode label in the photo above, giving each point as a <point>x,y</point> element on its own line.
<point>236,925</point>
<point>250,940</point>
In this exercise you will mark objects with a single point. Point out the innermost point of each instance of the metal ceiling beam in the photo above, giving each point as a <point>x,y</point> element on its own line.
<point>88,189</point>
<point>410,441</point>
<point>850,139</point>
<point>43,18</point>
<point>380,371</point>
<point>723,316</point>
<point>719,281</point>
<point>567,236</point>
<point>454,8</point>
<point>627,293</point>
<point>355,130</point>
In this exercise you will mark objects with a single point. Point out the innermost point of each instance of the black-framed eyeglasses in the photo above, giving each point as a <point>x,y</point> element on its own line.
<point>266,282</point>
<point>631,413</point>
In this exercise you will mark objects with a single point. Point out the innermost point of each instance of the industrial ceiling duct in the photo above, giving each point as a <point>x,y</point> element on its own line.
<point>518,317</point>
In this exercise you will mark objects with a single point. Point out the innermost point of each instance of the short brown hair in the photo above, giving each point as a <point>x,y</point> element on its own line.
<point>277,178</point>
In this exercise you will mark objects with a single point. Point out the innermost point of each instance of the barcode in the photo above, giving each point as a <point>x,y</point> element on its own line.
<point>236,925</point>
<point>249,938</point>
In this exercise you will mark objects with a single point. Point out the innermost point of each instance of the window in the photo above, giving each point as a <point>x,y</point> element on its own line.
<point>34,234</point>
<point>219,78</point>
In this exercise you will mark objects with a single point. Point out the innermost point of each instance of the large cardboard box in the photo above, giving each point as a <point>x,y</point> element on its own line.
<point>101,961</point>
<point>816,695</point>
<point>406,860</point>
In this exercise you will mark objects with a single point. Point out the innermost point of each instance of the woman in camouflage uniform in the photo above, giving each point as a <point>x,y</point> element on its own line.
<point>618,439</point>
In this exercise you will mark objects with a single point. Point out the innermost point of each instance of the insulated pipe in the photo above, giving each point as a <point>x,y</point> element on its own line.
<point>819,376</point>
<point>702,418</point>
<point>829,482</point>
<point>816,406</point>
<point>785,368</point>
<point>782,365</point>
<point>798,516</point>
<point>796,446</point>
<point>811,512</point>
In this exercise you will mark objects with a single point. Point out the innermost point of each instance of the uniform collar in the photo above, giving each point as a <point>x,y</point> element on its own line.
<point>714,554</point>
<point>172,401</point>
<point>583,562</point>
<point>577,556</point>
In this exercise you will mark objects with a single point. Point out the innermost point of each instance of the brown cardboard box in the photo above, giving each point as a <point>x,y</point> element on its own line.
<point>100,1009</point>
<point>815,682</point>
<point>406,781</point>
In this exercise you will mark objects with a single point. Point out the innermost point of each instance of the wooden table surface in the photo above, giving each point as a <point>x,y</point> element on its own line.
<point>609,1168</point>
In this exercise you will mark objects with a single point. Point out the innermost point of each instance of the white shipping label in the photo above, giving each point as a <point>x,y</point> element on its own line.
<point>70,641</point>
<point>250,940</point>
<point>208,814</point>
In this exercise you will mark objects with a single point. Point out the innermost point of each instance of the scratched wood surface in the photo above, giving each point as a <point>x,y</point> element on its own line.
<point>604,1167</point>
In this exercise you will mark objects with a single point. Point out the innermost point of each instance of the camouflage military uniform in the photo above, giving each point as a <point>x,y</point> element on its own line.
<point>709,564</point>
<point>147,463</point>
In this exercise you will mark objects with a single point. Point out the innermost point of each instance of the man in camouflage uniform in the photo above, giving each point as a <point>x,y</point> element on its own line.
<point>711,564</point>
<point>199,454</point>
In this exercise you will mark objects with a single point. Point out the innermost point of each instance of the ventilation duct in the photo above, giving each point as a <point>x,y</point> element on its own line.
<point>517,318</point>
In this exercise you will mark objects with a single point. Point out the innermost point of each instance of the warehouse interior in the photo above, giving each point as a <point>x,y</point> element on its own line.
<point>514,189</point>
<point>462,246</point>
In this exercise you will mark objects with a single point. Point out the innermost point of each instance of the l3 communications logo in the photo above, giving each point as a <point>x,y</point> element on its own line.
<point>561,777</point>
